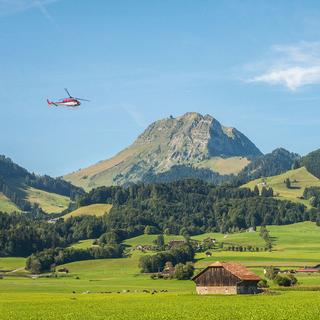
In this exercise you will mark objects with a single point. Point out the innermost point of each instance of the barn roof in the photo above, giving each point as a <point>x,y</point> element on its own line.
<point>237,269</point>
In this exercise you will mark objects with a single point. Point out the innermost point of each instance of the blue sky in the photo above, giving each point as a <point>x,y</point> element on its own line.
<point>254,65</point>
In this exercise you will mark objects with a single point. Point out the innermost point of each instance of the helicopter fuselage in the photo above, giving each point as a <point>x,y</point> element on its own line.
<point>68,102</point>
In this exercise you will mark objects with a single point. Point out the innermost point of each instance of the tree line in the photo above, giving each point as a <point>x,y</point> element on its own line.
<point>194,207</point>
<point>24,234</point>
<point>48,259</point>
<point>156,262</point>
<point>313,195</point>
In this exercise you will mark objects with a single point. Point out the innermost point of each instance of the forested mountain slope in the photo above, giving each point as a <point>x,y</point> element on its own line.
<point>21,190</point>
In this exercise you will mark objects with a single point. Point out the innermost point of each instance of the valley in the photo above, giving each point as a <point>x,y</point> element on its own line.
<point>159,160</point>
<point>85,289</point>
<point>189,191</point>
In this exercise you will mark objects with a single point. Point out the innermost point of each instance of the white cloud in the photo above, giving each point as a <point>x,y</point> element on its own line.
<point>292,66</point>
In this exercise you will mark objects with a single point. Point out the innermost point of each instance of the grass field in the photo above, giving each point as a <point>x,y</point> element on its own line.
<point>51,298</point>
<point>83,244</point>
<point>93,209</point>
<point>285,306</point>
<point>6,205</point>
<point>225,165</point>
<point>302,180</point>
<point>12,263</point>
<point>49,202</point>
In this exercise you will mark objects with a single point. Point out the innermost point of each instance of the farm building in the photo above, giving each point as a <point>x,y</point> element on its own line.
<point>226,278</point>
<point>168,269</point>
<point>176,243</point>
<point>314,269</point>
<point>307,270</point>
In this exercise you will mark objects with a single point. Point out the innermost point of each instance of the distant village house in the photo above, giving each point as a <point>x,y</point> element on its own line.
<point>313,269</point>
<point>175,243</point>
<point>168,269</point>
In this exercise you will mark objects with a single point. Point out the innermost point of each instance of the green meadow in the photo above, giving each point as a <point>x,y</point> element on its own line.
<point>127,306</point>
<point>300,179</point>
<point>97,210</point>
<point>6,205</point>
<point>48,201</point>
<point>114,288</point>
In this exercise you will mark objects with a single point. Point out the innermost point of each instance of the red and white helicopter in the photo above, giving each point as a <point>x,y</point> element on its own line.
<point>67,102</point>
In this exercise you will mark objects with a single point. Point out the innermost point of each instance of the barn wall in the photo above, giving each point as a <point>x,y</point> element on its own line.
<point>247,288</point>
<point>217,290</point>
<point>216,276</point>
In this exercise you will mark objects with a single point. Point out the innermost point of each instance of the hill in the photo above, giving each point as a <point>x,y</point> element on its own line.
<point>312,162</point>
<point>278,161</point>
<point>23,191</point>
<point>93,209</point>
<point>300,179</point>
<point>193,141</point>
<point>49,202</point>
<point>6,205</point>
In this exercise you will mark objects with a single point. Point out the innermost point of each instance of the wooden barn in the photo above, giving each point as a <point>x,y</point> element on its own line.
<point>226,278</point>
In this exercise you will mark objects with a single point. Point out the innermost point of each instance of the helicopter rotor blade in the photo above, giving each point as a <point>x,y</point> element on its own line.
<point>82,99</point>
<point>68,92</point>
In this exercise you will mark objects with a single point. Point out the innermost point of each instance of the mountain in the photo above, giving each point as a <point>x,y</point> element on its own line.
<point>193,141</point>
<point>271,164</point>
<point>312,162</point>
<point>21,190</point>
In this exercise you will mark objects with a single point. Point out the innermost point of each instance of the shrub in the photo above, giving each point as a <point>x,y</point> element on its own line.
<point>263,284</point>
<point>184,271</point>
<point>285,280</point>
<point>150,230</point>
<point>271,273</point>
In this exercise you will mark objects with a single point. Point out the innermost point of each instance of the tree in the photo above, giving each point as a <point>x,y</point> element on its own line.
<point>271,273</point>
<point>263,284</point>
<point>150,230</point>
<point>288,183</point>
<point>159,241</point>
<point>264,192</point>
<point>184,271</point>
<point>184,232</point>
<point>256,191</point>
<point>35,266</point>
<point>110,238</point>
<point>285,280</point>
<point>296,164</point>
<point>318,220</point>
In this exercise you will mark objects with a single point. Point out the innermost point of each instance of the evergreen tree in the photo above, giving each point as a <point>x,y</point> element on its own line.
<point>288,183</point>
<point>256,191</point>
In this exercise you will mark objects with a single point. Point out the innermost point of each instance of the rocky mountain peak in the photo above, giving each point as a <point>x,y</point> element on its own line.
<point>187,140</point>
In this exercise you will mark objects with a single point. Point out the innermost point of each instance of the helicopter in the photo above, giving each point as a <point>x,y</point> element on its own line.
<point>67,102</point>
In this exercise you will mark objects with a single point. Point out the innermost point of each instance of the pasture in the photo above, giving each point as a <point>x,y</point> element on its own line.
<point>283,306</point>
<point>99,289</point>
<point>300,179</point>
<point>6,205</point>
<point>232,165</point>
<point>93,209</point>
<point>48,201</point>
